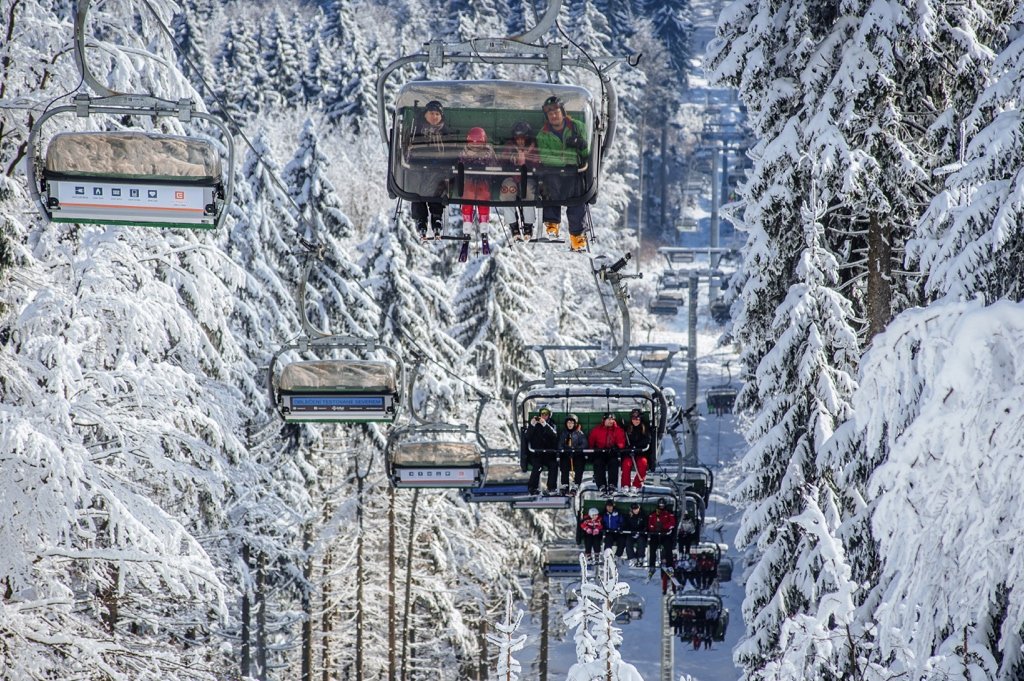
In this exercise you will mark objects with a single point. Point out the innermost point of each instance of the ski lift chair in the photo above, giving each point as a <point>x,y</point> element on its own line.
<point>665,303</point>
<point>504,481</point>
<point>433,457</point>
<point>721,312</point>
<point>631,605</point>
<point>432,171</point>
<point>721,399</point>
<point>698,479</point>
<point>337,390</point>
<point>723,564</point>
<point>132,178</point>
<point>690,607</point>
<point>562,559</point>
<point>589,403</point>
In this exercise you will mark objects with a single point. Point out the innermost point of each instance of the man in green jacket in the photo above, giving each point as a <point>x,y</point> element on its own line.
<point>562,143</point>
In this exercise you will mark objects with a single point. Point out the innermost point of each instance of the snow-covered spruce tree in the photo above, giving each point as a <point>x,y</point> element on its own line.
<point>496,309</point>
<point>948,455</point>
<point>241,76</point>
<point>360,45</point>
<point>597,637</point>
<point>970,237</point>
<point>805,385</point>
<point>282,57</point>
<point>507,667</point>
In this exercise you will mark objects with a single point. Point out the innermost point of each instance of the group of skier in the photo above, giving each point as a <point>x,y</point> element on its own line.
<point>696,625</point>
<point>568,450</point>
<point>561,143</point>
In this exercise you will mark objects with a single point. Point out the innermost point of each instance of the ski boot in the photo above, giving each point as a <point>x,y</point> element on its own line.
<point>421,229</point>
<point>436,226</point>
<point>467,232</point>
<point>485,245</point>
<point>517,233</point>
<point>578,242</point>
<point>551,230</point>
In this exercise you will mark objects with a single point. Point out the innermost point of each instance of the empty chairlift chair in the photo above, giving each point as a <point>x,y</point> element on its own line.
<point>132,178</point>
<point>338,391</point>
<point>434,464</point>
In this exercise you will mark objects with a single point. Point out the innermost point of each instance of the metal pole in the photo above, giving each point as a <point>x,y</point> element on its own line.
<point>667,643</point>
<point>640,205</point>
<point>545,592</point>
<point>392,667</point>
<point>716,199</point>
<point>691,375</point>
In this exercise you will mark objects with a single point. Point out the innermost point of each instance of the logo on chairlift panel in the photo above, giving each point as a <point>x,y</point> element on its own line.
<point>179,195</point>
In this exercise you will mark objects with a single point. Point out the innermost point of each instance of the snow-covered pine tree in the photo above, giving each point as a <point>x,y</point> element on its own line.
<point>496,310</point>
<point>969,240</point>
<point>282,58</point>
<point>241,77</point>
<point>507,667</point>
<point>353,86</point>
<point>597,637</point>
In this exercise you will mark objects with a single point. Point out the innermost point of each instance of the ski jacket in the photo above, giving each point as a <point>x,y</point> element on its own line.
<point>572,439</point>
<point>477,158</point>
<point>607,437</point>
<point>552,147</point>
<point>638,439</point>
<point>634,522</point>
<point>687,527</point>
<point>612,521</point>
<point>661,522</point>
<point>542,435</point>
<point>424,133</point>
<point>591,526</point>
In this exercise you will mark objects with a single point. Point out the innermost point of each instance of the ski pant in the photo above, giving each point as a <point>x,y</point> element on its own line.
<point>592,544</point>
<point>571,463</point>
<point>606,467</point>
<point>615,540</point>
<point>418,211</point>
<point>664,543</point>
<point>627,468</point>
<point>540,460</point>
<point>557,187</point>
<point>477,190</point>
<point>636,546</point>
<point>686,540</point>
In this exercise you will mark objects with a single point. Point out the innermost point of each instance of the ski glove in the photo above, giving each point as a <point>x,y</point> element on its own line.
<point>576,142</point>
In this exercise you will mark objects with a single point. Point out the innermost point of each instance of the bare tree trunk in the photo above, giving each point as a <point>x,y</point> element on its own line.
<point>326,619</point>
<point>359,575</point>
<point>406,629</point>
<point>392,667</point>
<point>246,666</point>
<point>879,292</point>
<point>663,181</point>
<point>545,594</point>
<point>482,642</point>
<point>307,605</point>
<point>109,598</point>
<point>261,617</point>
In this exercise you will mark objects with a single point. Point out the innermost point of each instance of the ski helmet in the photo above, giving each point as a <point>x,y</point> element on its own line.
<point>553,102</point>
<point>476,136</point>
<point>593,513</point>
<point>522,129</point>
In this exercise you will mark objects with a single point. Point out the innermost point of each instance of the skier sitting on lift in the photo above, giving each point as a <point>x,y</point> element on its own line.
<point>571,443</point>
<point>542,440</point>
<point>477,155</point>
<point>606,440</point>
<point>519,152</point>
<point>638,444</point>
<point>429,132</point>
<point>563,145</point>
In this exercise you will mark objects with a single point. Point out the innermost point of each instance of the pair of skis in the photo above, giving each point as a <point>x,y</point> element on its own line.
<point>485,244</point>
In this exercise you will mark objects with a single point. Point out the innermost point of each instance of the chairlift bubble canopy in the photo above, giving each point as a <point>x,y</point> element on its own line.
<point>338,391</point>
<point>423,168</point>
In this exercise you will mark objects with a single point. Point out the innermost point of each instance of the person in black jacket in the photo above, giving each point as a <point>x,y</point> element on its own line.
<point>571,441</point>
<point>542,444</point>
<point>634,529</point>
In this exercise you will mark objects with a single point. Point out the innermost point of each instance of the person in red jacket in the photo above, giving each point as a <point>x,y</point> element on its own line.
<point>606,440</point>
<point>661,525</point>
<point>592,529</point>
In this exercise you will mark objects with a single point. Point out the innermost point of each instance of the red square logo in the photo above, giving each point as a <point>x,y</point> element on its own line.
<point>179,195</point>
